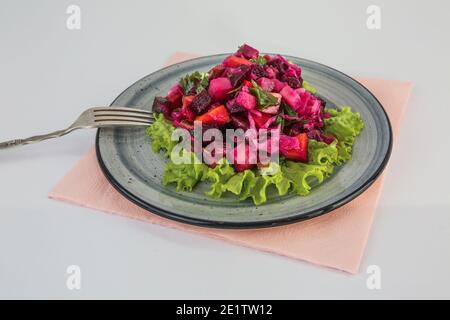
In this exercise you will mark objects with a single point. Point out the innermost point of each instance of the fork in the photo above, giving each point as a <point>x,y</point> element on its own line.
<point>96,117</point>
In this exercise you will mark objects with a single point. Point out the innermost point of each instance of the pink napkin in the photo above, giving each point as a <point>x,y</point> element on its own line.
<point>335,240</point>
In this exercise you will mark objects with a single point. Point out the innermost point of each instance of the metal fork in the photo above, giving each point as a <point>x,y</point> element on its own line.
<point>97,117</point>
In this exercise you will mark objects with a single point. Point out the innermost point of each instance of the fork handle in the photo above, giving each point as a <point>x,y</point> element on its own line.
<point>34,139</point>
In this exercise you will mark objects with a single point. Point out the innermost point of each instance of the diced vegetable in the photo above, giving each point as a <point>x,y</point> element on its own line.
<point>219,88</point>
<point>200,103</point>
<point>291,97</point>
<point>234,61</point>
<point>174,95</point>
<point>218,115</point>
<point>246,100</point>
<point>293,150</point>
<point>248,52</point>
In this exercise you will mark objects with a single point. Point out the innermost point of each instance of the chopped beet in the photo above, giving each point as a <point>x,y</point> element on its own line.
<point>258,71</point>
<point>216,72</point>
<point>271,72</point>
<point>238,74</point>
<point>240,121</point>
<point>279,65</point>
<point>320,136</point>
<point>246,100</point>
<point>291,97</point>
<point>200,103</point>
<point>295,129</point>
<point>177,115</point>
<point>248,52</point>
<point>174,95</point>
<point>219,88</point>
<point>233,107</point>
<point>292,82</point>
<point>278,85</point>
<point>266,84</point>
<point>162,105</point>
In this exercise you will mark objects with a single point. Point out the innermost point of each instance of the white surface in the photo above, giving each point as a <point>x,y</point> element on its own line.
<point>48,74</point>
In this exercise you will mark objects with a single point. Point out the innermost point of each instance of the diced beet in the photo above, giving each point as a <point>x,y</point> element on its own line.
<point>261,120</point>
<point>294,150</point>
<point>174,95</point>
<point>257,72</point>
<point>233,107</point>
<point>219,88</point>
<point>271,72</point>
<point>320,136</point>
<point>185,110</point>
<point>293,82</point>
<point>183,124</point>
<point>293,71</point>
<point>216,72</point>
<point>246,100</point>
<point>177,115</point>
<point>162,105</point>
<point>245,161</point>
<point>266,84</point>
<point>278,64</point>
<point>300,91</point>
<point>285,67</point>
<point>237,75</point>
<point>295,129</point>
<point>278,85</point>
<point>248,52</point>
<point>240,122</point>
<point>291,97</point>
<point>200,103</point>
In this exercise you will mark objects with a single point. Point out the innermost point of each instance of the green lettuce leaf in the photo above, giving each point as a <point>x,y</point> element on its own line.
<point>345,125</point>
<point>185,176</point>
<point>301,174</point>
<point>247,184</point>
<point>218,175</point>
<point>161,134</point>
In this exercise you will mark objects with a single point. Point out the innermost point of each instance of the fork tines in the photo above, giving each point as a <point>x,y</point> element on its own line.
<point>122,114</point>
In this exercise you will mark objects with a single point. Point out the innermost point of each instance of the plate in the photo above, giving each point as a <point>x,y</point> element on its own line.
<point>128,162</point>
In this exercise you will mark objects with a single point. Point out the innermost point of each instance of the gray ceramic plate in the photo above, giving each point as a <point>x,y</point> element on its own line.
<point>128,162</point>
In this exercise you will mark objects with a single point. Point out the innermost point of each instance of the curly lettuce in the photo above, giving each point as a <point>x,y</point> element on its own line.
<point>185,176</point>
<point>247,184</point>
<point>161,134</point>
<point>294,177</point>
<point>345,126</point>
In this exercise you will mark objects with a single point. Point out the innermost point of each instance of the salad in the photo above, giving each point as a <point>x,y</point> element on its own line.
<point>250,91</point>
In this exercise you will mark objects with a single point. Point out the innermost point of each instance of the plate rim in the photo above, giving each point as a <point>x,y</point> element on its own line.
<point>253,224</point>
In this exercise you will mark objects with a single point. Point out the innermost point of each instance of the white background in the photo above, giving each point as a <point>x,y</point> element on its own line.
<point>49,74</point>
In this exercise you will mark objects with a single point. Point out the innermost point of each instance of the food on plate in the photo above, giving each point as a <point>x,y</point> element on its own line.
<point>263,94</point>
